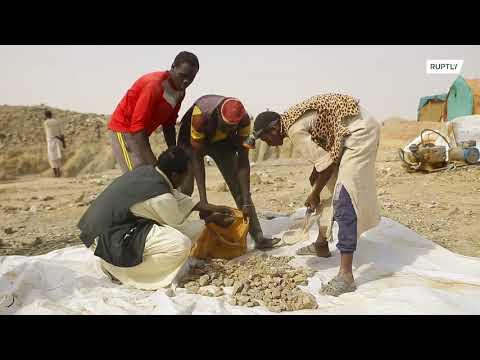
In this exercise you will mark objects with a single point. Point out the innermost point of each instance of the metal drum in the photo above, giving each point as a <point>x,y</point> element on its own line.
<point>471,155</point>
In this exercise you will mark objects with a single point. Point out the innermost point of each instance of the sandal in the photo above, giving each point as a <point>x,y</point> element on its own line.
<point>337,286</point>
<point>312,249</point>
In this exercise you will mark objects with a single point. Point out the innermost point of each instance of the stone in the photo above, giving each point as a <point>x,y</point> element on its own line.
<point>191,284</point>
<point>242,299</point>
<point>204,280</point>
<point>212,291</point>
<point>217,282</point>
<point>193,289</point>
<point>169,292</point>
<point>222,187</point>
<point>454,212</point>
<point>232,301</point>
<point>299,279</point>
<point>9,231</point>
<point>276,293</point>
<point>228,282</point>
<point>274,308</point>
<point>217,291</point>
<point>305,301</point>
<point>255,179</point>
<point>38,241</point>
<point>80,198</point>
<point>309,272</point>
<point>237,287</point>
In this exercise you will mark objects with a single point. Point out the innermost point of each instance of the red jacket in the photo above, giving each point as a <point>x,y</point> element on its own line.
<point>152,101</point>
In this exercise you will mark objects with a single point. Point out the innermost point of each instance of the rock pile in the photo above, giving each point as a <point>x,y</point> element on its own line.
<point>258,281</point>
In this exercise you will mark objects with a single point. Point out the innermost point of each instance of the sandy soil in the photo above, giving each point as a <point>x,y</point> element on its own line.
<point>39,213</point>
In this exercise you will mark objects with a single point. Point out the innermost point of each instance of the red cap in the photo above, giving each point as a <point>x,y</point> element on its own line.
<point>232,111</point>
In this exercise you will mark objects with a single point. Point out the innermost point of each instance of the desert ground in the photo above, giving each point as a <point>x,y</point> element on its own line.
<point>39,212</point>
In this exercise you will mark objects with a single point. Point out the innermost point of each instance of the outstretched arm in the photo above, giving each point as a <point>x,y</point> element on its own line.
<point>170,135</point>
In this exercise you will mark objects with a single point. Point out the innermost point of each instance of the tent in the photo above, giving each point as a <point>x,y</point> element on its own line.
<point>463,98</point>
<point>432,108</point>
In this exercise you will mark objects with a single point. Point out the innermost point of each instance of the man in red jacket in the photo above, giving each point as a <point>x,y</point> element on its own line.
<point>153,100</point>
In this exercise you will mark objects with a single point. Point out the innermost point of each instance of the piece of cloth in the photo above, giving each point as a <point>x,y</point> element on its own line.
<point>199,125</point>
<point>346,218</point>
<point>53,129</point>
<point>152,101</point>
<point>397,272</point>
<point>232,111</point>
<point>127,150</point>
<point>356,171</point>
<point>120,233</point>
<point>328,130</point>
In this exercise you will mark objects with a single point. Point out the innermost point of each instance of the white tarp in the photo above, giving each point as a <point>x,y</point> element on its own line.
<point>397,272</point>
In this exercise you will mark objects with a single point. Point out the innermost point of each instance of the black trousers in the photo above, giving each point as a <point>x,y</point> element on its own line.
<point>225,156</point>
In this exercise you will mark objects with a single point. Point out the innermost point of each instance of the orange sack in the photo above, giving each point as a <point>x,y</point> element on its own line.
<point>223,243</point>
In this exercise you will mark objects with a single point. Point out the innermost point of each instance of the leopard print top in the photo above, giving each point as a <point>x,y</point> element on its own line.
<point>328,131</point>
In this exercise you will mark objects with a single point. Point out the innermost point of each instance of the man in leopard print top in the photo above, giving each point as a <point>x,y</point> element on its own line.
<point>340,139</point>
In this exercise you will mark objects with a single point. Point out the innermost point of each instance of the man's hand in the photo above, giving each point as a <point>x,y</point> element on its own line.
<point>312,202</point>
<point>207,208</point>
<point>246,210</point>
<point>221,220</point>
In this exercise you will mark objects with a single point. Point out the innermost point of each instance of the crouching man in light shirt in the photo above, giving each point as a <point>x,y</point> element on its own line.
<point>137,225</point>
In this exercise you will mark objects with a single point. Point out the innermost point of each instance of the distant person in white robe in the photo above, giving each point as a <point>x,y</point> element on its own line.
<point>55,142</point>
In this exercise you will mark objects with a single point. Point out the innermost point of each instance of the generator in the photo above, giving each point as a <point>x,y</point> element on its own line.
<point>429,157</point>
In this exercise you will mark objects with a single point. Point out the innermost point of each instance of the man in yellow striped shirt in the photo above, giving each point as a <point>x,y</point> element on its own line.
<point>217,126</point>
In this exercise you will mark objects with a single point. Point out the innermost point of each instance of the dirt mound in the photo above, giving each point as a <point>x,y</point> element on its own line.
<point>23,144</point>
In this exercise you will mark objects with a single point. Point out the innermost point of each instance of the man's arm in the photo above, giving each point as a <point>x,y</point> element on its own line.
<point>62,139</point>
<point>321,180</point>
<point>198,165</point>
<point>169,132</point>
<point>170,135</point>
<point>244,175</point>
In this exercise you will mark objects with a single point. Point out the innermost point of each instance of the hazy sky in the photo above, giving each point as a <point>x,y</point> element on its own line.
<point>389,80</point>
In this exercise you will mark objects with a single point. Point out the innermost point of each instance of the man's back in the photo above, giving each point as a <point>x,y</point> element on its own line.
<point>53,128</point>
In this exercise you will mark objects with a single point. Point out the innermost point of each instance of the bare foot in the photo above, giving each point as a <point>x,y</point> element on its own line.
<point>265,242</point>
